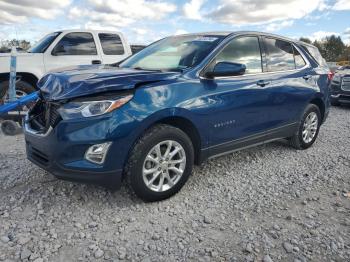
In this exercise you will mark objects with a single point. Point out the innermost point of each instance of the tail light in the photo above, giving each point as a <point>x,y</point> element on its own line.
<point>330,75</point>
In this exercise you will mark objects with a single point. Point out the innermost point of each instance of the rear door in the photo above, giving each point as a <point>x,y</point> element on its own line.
<point>75,48</point>
<point>292,80</point>
<point>113,47</point>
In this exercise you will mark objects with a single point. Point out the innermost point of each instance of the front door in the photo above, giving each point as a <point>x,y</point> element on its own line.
<point>73,49</point>
<point>240,104</point>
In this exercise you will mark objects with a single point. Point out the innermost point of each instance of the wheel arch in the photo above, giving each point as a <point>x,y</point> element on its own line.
<point>317,101</point>
<point>30,78</point>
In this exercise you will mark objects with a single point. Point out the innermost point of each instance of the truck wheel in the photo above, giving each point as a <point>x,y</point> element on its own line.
<point>23,88</point>
<point>160,163</point>
<point>308,129</point>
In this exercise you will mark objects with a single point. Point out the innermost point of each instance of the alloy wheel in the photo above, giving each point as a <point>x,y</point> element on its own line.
<point>310,127</point>
<point>164,165</point>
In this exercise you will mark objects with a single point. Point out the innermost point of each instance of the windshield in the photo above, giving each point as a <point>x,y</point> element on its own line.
<point>44,43</point>
<point>173,53</point>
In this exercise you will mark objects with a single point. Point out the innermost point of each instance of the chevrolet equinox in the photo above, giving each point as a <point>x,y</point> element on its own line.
<point>179,101</point>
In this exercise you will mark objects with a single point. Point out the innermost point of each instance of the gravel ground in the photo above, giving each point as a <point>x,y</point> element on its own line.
<point>269,203</point>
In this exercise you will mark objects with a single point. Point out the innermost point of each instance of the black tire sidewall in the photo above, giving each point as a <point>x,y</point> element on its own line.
<point>310,108</point>
<point>140,152</point>
<point>20,85</point>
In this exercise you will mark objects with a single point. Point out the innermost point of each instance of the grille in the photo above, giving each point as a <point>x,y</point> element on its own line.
<point>43,115</point>
<point>346,83</point>
<point>54,116</point>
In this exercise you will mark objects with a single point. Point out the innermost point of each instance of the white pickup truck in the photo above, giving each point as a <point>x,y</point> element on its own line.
<point>62,49</point>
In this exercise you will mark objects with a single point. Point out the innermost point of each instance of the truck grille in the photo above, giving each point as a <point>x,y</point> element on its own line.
<point>346,83</point>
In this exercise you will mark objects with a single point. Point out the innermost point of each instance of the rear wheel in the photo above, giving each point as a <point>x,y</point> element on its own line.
<point>160,163</point>
<point>308,128</point>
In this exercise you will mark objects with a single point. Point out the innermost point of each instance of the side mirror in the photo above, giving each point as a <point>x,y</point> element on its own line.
<point>58,50</point>
<point>226,69</point>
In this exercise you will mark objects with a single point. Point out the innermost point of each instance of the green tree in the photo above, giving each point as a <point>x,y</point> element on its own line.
<point>305,39</point>
<point>333,48</point>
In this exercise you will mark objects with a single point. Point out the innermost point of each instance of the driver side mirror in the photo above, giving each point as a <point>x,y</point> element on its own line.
<point>226,69</point>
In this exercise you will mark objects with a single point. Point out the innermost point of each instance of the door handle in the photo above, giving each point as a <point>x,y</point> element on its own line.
<point>307,77</point>
<point>96,62</point>
<point>262,83</point>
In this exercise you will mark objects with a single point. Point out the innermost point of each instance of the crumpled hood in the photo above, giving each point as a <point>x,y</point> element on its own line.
<point>91,79</point>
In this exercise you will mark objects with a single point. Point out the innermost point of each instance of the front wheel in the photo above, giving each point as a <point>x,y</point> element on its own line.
<point>308,128</point>
<point>160,163</point>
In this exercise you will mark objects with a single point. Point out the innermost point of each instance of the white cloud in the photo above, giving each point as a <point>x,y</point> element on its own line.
<point>278,26</point>
<point>180,32</point>
<point>342,5</point>
<point>248,12</point>
<point>319,35</point>
<point>19,11</point>
<point>191,9</point>
<point>108,13</point>
<point>347,31</point>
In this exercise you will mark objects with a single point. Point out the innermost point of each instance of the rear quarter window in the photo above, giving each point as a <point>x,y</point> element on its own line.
<point>315,54</point>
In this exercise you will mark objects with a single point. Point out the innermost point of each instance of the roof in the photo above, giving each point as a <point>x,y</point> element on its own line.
<point>228,33</point>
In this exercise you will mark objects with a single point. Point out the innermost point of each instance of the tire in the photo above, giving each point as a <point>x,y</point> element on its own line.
<point>165,136</point>
<point>10,128</point>
<point>297,141</point>
<point>335,102</point>
<point>22,88</point>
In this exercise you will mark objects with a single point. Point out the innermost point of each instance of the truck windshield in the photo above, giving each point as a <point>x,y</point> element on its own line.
<point>44,43</point>
<point>173,53</point>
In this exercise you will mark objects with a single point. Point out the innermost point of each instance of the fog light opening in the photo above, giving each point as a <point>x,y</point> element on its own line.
<point>97,153</point>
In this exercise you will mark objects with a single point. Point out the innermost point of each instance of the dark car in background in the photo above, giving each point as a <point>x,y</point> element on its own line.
<point>176,103</point>
<point>340,86</point>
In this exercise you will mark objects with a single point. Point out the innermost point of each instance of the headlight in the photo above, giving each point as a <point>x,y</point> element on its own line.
<point>91,108</point>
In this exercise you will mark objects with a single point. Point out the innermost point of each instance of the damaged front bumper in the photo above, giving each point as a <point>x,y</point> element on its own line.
<point>59,146</point>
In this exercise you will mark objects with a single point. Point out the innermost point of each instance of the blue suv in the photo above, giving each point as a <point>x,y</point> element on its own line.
<point>179,101</point>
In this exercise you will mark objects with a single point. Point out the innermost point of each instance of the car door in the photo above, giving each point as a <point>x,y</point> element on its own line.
<point>73,49</point>
<point>113,48</point>
<point>240,104</point>
<point>291,80</point>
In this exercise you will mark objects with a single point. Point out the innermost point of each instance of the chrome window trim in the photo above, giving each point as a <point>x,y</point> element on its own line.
<point>307,65</point>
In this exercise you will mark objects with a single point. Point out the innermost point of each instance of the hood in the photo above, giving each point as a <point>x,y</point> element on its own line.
<point>86,80</point>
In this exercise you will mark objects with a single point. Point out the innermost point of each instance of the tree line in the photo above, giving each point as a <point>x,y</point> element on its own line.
<point>332,48</point>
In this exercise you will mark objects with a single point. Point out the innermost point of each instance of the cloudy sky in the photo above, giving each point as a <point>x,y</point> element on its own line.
<point>144,21</point>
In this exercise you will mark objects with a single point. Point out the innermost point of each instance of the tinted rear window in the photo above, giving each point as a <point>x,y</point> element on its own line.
<point>111,44</point>
<point>280,55</point>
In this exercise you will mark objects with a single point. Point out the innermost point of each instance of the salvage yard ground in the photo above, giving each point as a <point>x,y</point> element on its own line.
<point>269,203</point>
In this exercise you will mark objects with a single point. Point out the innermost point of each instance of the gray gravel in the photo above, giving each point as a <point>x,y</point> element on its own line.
<point>269,203</point>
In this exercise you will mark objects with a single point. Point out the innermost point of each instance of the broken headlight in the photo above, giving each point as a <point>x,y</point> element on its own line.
<point>79,109</point>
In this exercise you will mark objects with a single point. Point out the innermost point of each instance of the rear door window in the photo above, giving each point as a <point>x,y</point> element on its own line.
<point>111,44</point>
<point>243,50</point>
<point>280,56</point>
